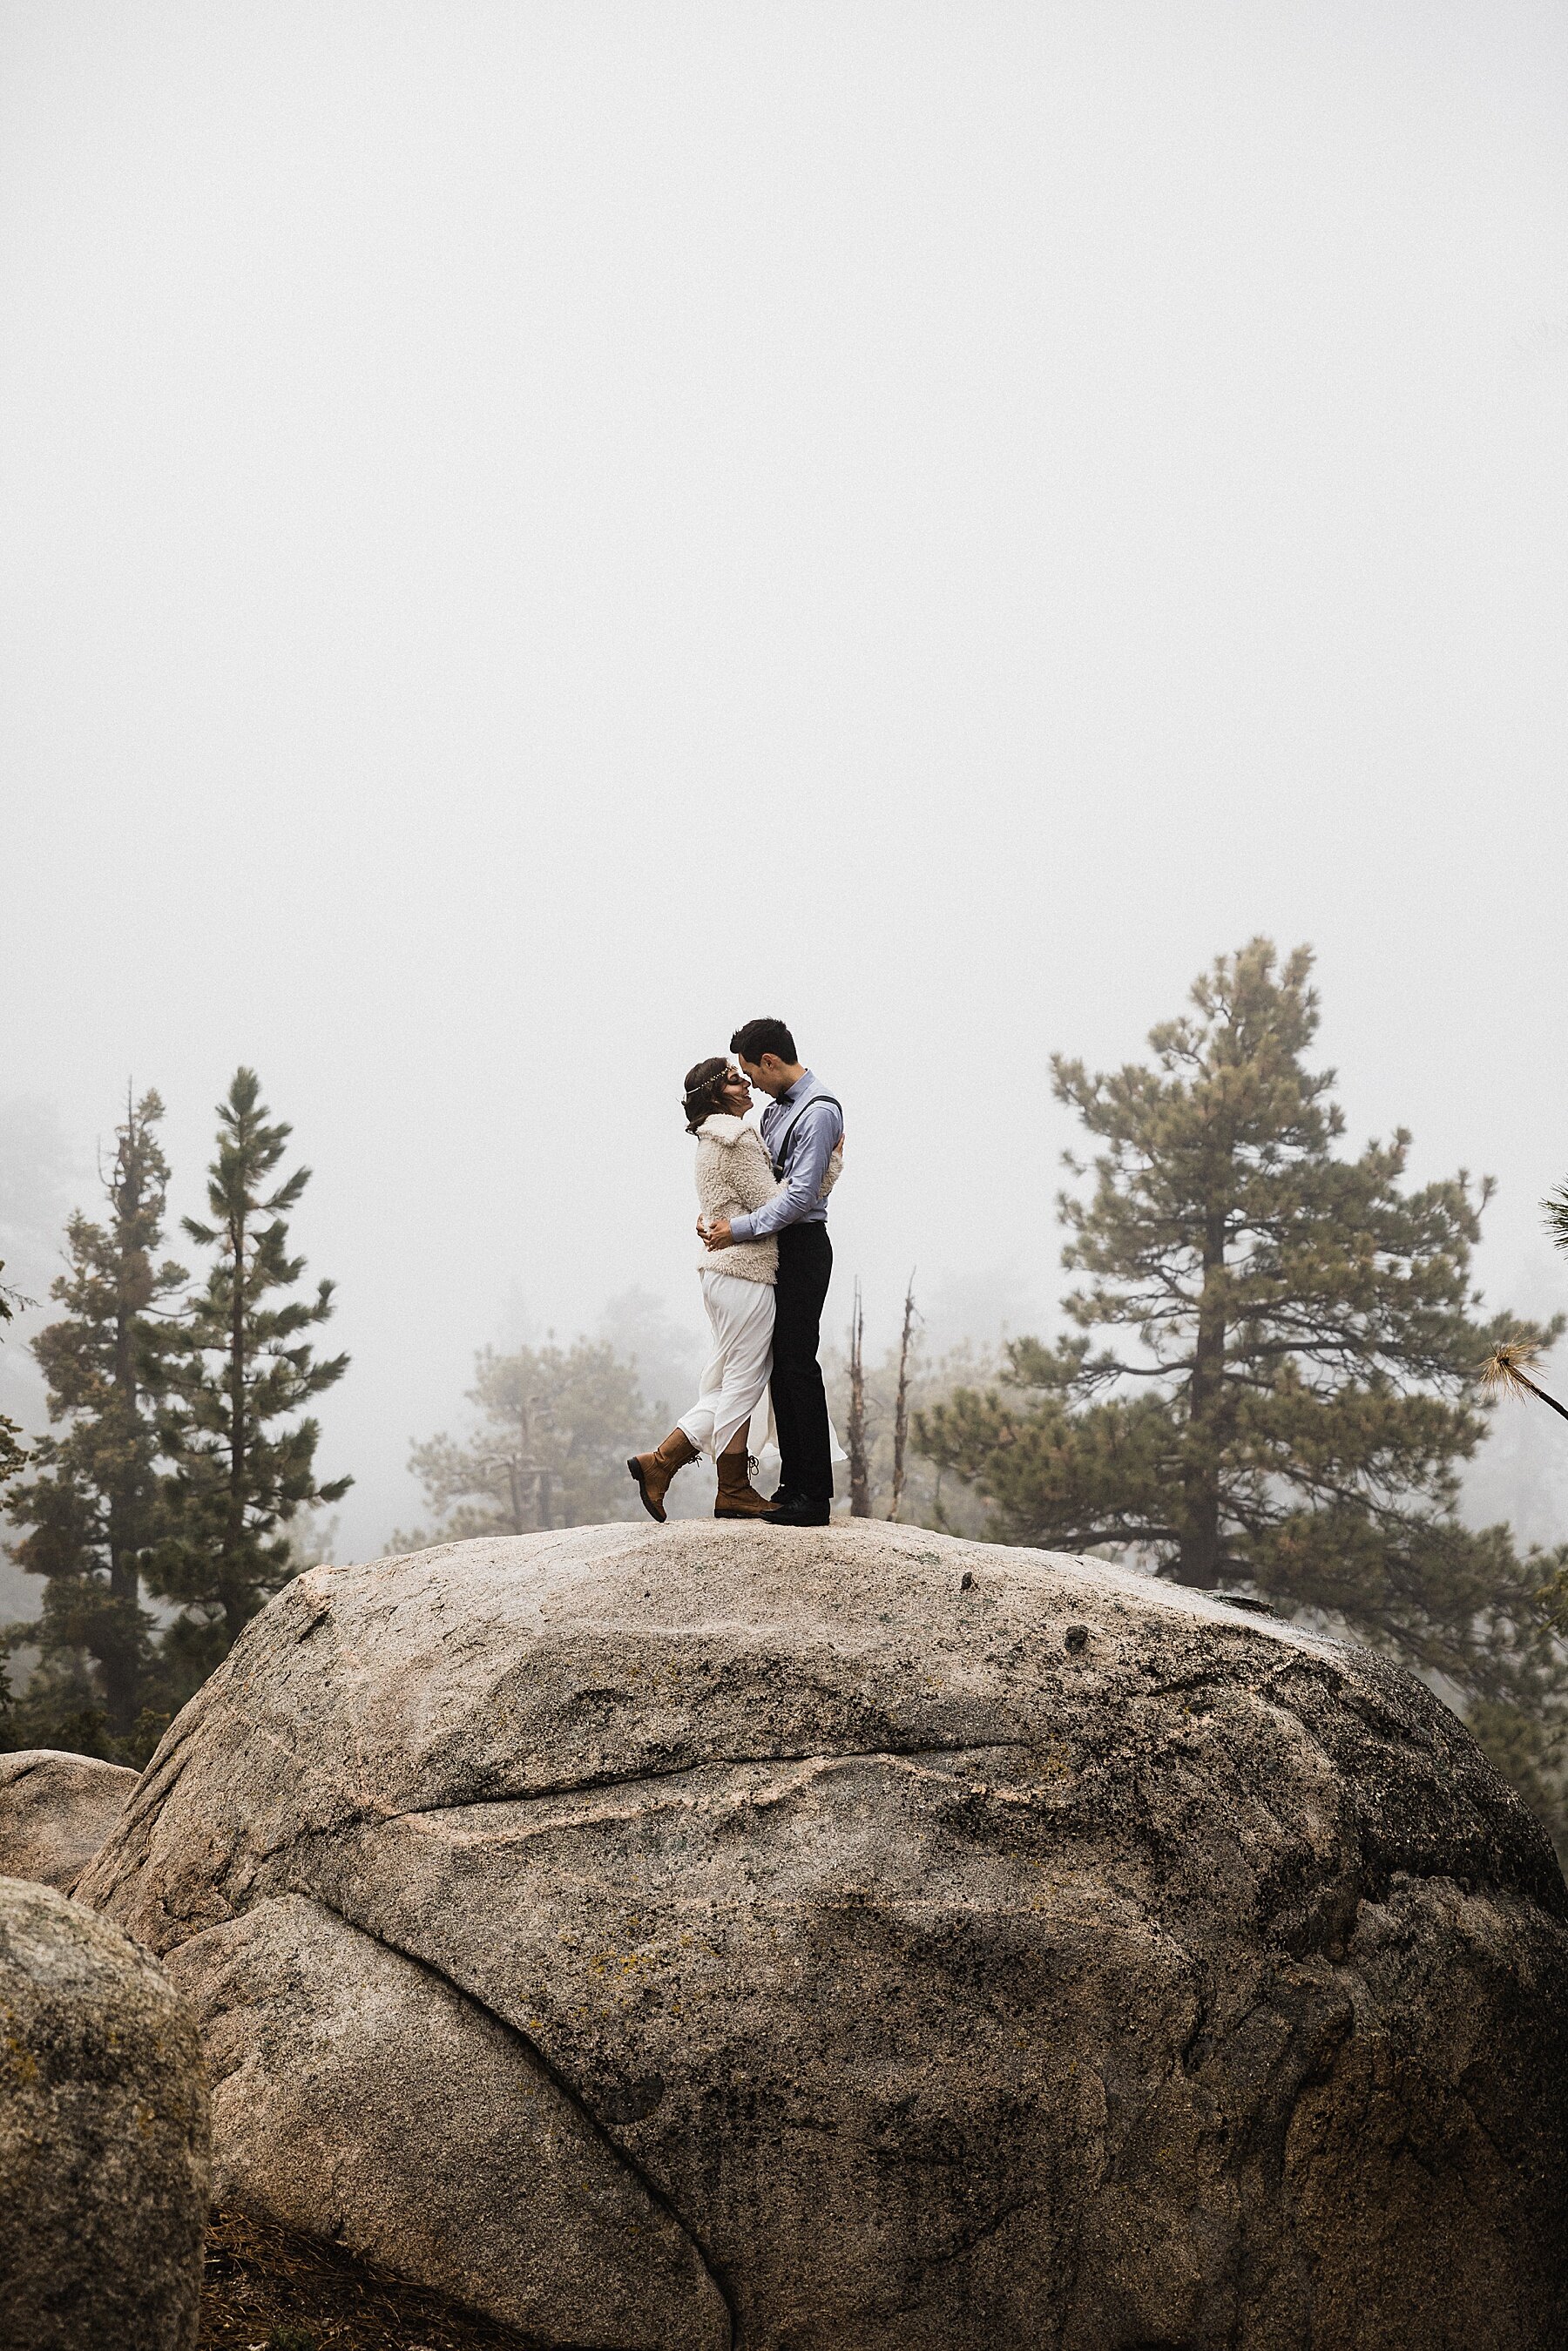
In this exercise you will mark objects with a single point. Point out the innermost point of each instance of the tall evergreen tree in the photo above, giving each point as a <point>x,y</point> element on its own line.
<point>242,1463</point>
<point>1292,1373</point>
<point>93,1507</point>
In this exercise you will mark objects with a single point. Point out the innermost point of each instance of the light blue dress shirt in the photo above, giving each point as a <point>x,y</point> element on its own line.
<point>808,1137</point>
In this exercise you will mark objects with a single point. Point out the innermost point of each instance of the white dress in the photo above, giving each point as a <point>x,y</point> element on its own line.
<point>734,1391</point>
<point>735,1177</point>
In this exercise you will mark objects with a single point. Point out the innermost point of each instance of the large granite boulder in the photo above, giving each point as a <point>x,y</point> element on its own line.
<point>103,2136</point>
<point>56,1810</point>
<point>671,1937</point>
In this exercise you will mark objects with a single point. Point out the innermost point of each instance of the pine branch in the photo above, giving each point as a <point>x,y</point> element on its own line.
<point>1555,1206</point>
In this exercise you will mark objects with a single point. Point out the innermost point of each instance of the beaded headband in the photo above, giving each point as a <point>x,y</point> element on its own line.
<point>706,1095</point>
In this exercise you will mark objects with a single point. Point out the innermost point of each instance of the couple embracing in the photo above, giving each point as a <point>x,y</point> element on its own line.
<point>767,1262</point>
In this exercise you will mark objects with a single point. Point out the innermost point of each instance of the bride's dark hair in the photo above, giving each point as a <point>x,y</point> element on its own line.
<point>704,1090</point>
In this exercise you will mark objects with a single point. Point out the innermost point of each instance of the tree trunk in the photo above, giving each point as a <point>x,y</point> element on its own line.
<point>860,1464</point>
<point>901,1401</point>
<point>233,1613</point>
<point>1200,1559</point>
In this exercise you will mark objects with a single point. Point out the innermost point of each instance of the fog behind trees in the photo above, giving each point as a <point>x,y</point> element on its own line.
<point>526,539</point>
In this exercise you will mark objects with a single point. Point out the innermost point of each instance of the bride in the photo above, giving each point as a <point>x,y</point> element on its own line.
<point>735,1176</point>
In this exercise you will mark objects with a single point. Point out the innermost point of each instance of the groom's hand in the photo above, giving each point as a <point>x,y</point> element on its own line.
<point>717,1235</point>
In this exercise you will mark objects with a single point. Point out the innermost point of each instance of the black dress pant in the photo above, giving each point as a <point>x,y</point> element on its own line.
<point>799,1403</point>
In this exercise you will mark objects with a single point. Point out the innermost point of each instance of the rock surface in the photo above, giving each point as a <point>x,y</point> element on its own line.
<point>56,1810</point>
<point>861,1940</point>
<point>103,2138</point>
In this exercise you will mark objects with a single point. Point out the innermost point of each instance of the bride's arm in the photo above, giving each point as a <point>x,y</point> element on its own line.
<point>752,1178</point>
<point>754,1181</point>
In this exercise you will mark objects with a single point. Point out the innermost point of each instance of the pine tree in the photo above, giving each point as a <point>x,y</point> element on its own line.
<point>245,1366</point>
<point>553,1427</point>
<point>13,1460</point>
<point>93,1507</point>
<point>13,1455</point>
<point>1293,1366</point>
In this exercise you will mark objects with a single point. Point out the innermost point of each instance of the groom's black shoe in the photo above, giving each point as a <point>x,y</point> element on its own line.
<point>798,1510</point>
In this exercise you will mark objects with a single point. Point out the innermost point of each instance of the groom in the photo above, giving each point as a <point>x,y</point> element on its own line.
<point>800,1125</point>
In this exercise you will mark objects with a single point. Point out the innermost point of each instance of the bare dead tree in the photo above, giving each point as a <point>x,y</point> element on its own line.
<point>900,1400</point>
<point>860,1459</point>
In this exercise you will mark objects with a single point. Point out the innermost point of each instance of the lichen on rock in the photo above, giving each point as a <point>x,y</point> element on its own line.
<point>103,2136</point>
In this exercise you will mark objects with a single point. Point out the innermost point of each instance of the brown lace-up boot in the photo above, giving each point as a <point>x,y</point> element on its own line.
<point>737,1498</point>
<point>655,1471</point>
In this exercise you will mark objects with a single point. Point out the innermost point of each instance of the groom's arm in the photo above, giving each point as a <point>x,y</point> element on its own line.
<point>814,1138</point>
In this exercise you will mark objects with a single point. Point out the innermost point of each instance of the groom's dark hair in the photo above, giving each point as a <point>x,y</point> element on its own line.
<point>760,1036</point>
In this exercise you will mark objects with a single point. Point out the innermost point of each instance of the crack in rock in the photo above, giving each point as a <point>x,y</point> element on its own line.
<point>568,2090</point>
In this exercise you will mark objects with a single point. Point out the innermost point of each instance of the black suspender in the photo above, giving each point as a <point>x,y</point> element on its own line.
<point>777,1155</point>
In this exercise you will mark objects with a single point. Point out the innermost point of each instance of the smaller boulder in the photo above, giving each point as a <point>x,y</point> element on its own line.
<point>56,1810</point>
<point>103,2136</point>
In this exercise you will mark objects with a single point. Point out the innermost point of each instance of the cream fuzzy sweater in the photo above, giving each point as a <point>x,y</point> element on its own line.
<point>735,1176</point>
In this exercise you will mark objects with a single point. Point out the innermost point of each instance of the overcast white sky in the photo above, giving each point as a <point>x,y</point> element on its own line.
<point>529,534</point>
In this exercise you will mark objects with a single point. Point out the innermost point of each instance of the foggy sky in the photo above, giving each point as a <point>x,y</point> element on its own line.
<point>531,534</point>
